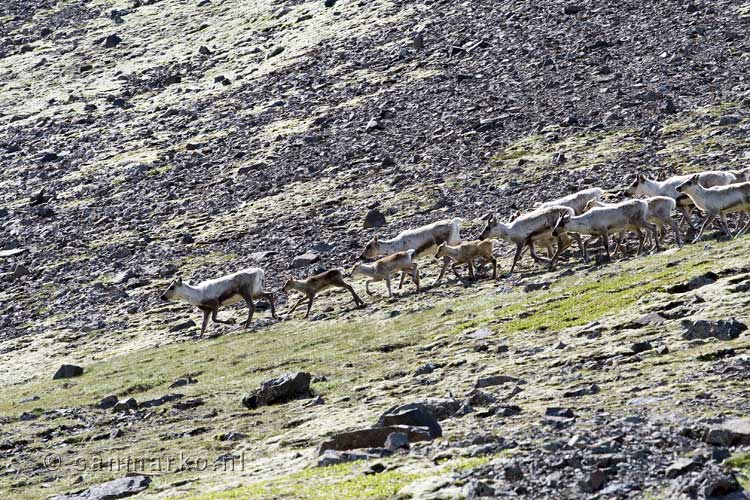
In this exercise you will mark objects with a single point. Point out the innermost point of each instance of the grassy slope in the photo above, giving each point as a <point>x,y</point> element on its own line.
<point>144,359</point>
<point>362,380</point>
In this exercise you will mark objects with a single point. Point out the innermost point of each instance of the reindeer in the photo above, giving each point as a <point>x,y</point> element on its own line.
<point>313,285</point>
<point>717,201</point>
<point>465,253</point>
<point>383,268</point>
<point>601,221</point>
<point>209,295</point>
<point>422,240</point>
<point>528,229</point>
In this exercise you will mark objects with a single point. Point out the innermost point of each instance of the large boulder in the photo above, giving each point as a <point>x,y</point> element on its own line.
<point>372,438</point>
<point>111,490</point>
<point>732,432</point>
<point>702,329</point>
<point>441,408</point>
<point>416,416</point>
<point>305,259</point>
<point>374,218</point>
<point>67,371</point>
<point>277,390</point>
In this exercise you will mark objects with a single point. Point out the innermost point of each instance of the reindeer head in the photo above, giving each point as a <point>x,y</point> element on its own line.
<point>440,250</point>
<point>490,223</point>
<point>288,285</point>
<point>171,289</point>
<point>559,228</point>
<point>639,179</point>
<point>592,204</point>
<point>371,250</point>
<point>693,181</point>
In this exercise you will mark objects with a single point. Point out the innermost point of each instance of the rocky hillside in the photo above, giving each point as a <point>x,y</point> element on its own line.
<point>144,139</point>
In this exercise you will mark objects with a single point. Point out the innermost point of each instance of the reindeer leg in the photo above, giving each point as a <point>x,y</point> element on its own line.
<point>446,263</point>
<point>299,302</point>
<point>388,284</point>
<point>677,232</point>
<point>740,222</point>
<point>454,268</point>
<point>215,319</point>
<point>618,244</point>
<point>579,242</point>
<point>654,230</point>
<point>401,283</point>
<point>584,248</point>
<point>605,242</point>
<point>724,225</point>
<point>251,310</point>
<point>309,306</point>
<point>494,267</point>
<point>642,240</point>
<point>519,250</point>
<point>686,216</point>
<point>709,219</point>
<point>367,287</point>
<point>357,301</point>
<point>471,271</point>
<point>206,315</point>
<point>560,248</point>
<point>415,277</point>
<point>540,260</point>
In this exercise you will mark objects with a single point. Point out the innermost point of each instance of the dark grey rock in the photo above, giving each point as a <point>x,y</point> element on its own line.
<point>305,259</point>
<point>417,416</point>
<point>107,402</point>
<point>703,329</point>
<point>572,9</point>
<point>477,489</point>
<point>559,412</point>
<point>582,391</point>
<point>680,467</point>
<point>440,408</point>
<point>640,347</point>
<point>594,481</point>
<point>494,380</point>
<point>512,472</point>
<point>372,438</point>
<point>181,382</point>
<point>112,41</point>
<point>373,124</point>
<point>374,218</point>
<point>729,120</point>
<point>111,490</point>
<point>68,371</point>
<point>732,432</point>
<point>396,440</point>
<point>231,436</point>
<point>160,401</point>
<point>276,390</point>
<point>426,369</point>
<point>126,405</point>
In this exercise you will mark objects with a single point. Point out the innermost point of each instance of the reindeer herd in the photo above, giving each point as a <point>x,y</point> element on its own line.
<point>552,226</point>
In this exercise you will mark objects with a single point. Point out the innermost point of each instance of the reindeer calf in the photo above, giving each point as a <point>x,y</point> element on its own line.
<point>313,285</point>
<point>383,268</point>
<point>465,253</point>
<point>717,201</point>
